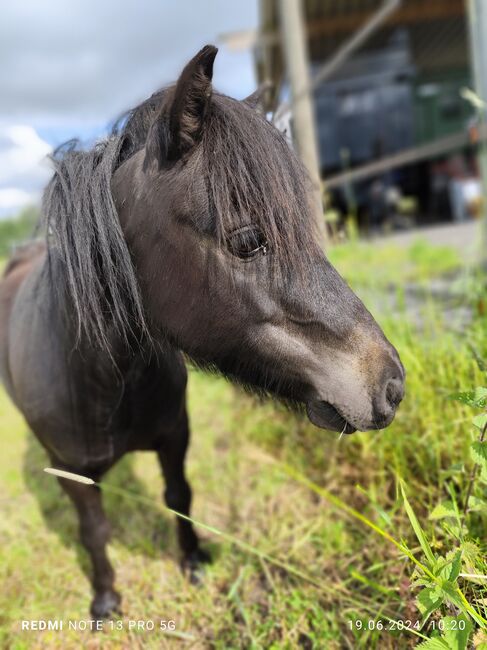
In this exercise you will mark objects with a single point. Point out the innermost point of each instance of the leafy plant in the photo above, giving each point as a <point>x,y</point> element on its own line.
<point>476,399</point>
<point>440,582</point>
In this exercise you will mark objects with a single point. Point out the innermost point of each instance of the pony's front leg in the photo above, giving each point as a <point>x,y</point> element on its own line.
<point>177,494</point>
<point>94,533</point>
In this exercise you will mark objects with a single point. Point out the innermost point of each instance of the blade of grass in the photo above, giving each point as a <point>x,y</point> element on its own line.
<point>370,583</point>
<point>248,548</point>
<point>417,528</point>
<point>355,514</point>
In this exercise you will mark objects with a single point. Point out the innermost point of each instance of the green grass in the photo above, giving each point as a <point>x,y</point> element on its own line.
<point>326,566</point>
<point>364,264</point>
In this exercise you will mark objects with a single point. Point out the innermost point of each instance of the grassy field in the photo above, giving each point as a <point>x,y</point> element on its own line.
<point>314,573</point>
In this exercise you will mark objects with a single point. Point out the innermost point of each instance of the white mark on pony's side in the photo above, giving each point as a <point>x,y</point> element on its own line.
<point>69,475</point>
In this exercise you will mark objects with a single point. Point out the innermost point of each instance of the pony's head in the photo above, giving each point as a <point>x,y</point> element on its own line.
<point>215,211</point>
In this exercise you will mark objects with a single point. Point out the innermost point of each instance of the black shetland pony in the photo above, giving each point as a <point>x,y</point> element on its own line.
<point>189,230</point>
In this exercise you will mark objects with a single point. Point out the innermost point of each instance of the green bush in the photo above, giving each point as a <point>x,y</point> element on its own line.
<point>15,230</point>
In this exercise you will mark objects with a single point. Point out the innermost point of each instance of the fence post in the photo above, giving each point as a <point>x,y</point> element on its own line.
<point>296,56</point>
<point>477,18</point>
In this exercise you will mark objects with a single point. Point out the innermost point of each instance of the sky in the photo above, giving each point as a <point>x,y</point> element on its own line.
<point>69,68</point>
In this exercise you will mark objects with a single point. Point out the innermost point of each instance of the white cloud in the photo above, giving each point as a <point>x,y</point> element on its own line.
<point>89,60</point>
<point>69,68</point>
<point>23,166</point>
<point>12,199</point>
<point>22,152</point>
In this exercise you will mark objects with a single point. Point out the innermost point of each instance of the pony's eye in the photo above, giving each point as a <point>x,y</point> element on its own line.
<point>247,242</point>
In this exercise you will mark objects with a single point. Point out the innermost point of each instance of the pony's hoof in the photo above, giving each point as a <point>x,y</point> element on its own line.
<point>105,604</point>
<point>193,563</point>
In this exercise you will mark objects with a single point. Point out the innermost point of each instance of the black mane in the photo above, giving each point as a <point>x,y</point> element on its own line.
<point>84,232</point>
<point>251,175</point>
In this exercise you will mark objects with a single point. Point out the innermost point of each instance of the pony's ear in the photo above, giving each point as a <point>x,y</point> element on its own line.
<point>256,99</point>
<point>177,131</point>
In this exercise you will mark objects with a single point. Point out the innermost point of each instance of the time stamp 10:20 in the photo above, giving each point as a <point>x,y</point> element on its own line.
<point>400,625</point>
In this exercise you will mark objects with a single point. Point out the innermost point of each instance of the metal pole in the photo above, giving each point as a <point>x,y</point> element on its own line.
<point>296,56</point>
<point>477,14</point>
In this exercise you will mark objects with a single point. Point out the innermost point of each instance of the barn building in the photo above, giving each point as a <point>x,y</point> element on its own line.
<point>391,118</point>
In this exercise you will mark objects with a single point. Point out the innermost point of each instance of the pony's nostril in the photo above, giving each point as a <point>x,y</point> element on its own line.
<point>394,392</point>
<point>390,394</point>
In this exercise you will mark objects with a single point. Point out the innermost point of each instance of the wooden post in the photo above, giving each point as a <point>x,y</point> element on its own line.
<point>296,57</point>
<point>477,10</point>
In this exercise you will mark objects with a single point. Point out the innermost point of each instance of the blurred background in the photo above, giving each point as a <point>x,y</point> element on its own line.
<point>384,101</point>
<point>388,82</point>
<point>377,95</point>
